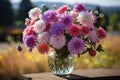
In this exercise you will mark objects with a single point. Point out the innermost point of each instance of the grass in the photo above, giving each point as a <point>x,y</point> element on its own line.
<point>14,63</point>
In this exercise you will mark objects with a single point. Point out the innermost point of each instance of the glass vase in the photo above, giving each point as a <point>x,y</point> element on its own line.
<point>60,65</point>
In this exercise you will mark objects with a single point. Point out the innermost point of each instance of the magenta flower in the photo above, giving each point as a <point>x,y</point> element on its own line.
<point>101,33</point>
<point>76,45</point>
<point>79,7</point>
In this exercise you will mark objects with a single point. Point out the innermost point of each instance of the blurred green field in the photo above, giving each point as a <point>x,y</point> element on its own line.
<point>14,63</point>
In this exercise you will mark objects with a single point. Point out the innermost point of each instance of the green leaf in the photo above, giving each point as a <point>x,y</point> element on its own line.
<point>84,51</point>
<point>99,48</point>
<point>78,55</point>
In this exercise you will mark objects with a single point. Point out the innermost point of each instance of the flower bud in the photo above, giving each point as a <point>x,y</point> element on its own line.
<point>29,49</point>
<point>92,53</point>
<point>19,48</point>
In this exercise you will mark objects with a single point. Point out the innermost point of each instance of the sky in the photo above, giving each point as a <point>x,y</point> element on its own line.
<point>96,2</point>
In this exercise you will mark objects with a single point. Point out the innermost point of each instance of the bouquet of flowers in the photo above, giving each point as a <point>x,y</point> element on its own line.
<point>70,31</point>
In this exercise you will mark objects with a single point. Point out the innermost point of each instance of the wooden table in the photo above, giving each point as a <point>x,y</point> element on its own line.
<point>89,74</point>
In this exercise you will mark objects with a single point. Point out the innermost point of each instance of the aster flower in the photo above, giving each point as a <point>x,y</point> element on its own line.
<point>57,28</point>
<point>58,41</point>
<point>43,37</point>
<point>29,41</point>
<point>27,21</point>
<point>79,7</point>
<point>74,30</point>
<point>73,14</point>
<point>76,45</point>
<point>85,18</point>
<point>39,26</point>
<point>35,12</point>
<point>85,30</point>
<point>101,33</point>
<point>49,15</point>
<point>62,9</point>
<point>66,20</point>
<point>28,31</point>
<point>43,48</point>
<point>93,36</point>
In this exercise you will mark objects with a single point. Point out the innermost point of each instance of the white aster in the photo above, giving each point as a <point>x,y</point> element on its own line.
<point>39,26</point>
<point>58,41</point>
<point>85,18</point>
<point>35,12</point>
<point>43,37</point>
<point>74,14</point>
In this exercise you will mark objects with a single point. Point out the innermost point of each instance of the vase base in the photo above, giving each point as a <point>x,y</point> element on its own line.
<point>61,75</point>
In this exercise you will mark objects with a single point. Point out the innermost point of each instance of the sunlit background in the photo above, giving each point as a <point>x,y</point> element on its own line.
<point>12,16</point>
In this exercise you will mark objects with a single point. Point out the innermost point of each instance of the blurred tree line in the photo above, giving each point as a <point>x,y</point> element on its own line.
<point>11,21</point>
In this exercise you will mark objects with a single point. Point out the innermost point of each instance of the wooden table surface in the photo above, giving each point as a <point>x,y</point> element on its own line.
<point>94,74</point>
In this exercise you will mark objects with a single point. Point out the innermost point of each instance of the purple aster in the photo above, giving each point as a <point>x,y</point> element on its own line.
<point>29,41</point>
<point>49,15</point>
<point>66,20</point>
<point>57,28</point>
<point>76,45</point>
<point>79,7</point>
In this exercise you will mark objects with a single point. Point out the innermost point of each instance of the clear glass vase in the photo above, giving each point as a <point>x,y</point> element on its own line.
<point>60,65</point>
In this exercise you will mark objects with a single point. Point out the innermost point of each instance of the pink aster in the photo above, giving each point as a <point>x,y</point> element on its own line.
<point>62,9</point>
<point>101,33</point>
<point>74,30</point>
<point>85,30</point>
<point>27,21</point>
<point>58,41</point>
<point>43,48</point>
<point>28,31</point>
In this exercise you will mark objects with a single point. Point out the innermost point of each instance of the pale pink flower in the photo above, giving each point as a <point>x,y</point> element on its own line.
<point>43,37</point>
<point>85,18</point>
<point>93,36</point>
<point>74,14</point>
<point>27,21</point>
<point>62,9</point>
<point>33,20</point>
<point>35,12</point>
<point>55,6</point>
<point>58,41</point>
<point>39,26</point>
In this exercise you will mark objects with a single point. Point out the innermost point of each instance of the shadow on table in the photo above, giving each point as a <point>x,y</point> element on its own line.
<point>69,77</point>
<point>7,77</point>
<point>73,76</point>
<point>79,77</point>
